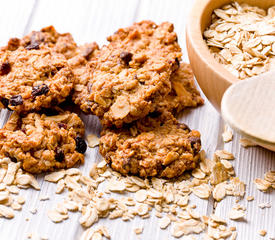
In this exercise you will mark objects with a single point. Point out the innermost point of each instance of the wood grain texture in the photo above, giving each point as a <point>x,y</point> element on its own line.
<point>92,20</point>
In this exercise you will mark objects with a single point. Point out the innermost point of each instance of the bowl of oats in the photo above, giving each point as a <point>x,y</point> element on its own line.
<point>228,41</point>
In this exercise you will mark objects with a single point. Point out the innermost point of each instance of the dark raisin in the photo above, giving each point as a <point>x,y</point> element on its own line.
<point>32,46</point>
<point>24,130</point>
<point>126,57</point>
<point>16,100</point>
<point>39,90</point>
<point>59,155</point>
<point>13,159</point>
<point>154,114</point>
<point>81,145</point>
<point>59,68</point>
<point>5,68</point>
<point>195,144</point>
<point>177,62</point>
<point>5,102</point>
<point>62,125</point>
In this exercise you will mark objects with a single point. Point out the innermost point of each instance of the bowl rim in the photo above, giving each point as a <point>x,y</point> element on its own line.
<point>194,31</point>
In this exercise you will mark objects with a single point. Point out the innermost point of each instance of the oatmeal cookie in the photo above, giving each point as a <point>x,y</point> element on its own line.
<point>156,145</point>
<point>33,79</point>
<point>82,71</point>
<point>132,73</point>
<point>184,93</point>
<point>46,37</point>
<point>43,143</point>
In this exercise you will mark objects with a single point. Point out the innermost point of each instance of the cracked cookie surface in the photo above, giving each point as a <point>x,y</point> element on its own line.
<point>132,73</point>
<point>83,72</point>
<point>43,143</point>
<point>33,79</point>
<point>157,145</point>
<point>46,37</point>
<point>184,92</point>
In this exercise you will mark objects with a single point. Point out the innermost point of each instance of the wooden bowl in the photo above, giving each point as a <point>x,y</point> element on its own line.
<point>212,77</point>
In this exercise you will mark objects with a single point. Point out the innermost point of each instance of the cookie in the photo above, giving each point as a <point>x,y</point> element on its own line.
<point>43,143</point>
<point>184,92</point>
<point>46,37</point>
<point>132,73</point>
<point>157,145</point>
<point>82,71</point>
<point>33,79</point>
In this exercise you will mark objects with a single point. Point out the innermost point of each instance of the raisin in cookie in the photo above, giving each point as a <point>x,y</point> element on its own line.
<point>156,145</point>
<point>46,37</point>
<point>184,93</point>
<point>132,73</point>
<point>43,143</point>
<point>33,79</point>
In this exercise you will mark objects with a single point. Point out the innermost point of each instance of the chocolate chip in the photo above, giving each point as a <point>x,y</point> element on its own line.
<point>81,145</point>
<point>39,90</point>
<point>16,100</point>
<point>5,68</point>
<point>59,155</point>
<point>62,125</point>
<point>126,57</point>
<point>5,102</point>
<point>32,46</point>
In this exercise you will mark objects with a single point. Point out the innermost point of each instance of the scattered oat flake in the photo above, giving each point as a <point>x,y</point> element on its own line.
<point>223,154</point>
<point>55,216</point>
<point>202,191</point>
<point>235,214</point>
<point>55,176</point>
<point>247,143</point>
<point>262,184</point>
<point>249,198</point>
<point>164,222</point>
<point>141,195</point>
<point>44,198</point>
<point>92,140</point>
<point>262,233</point>
<point>138,230</point>
<point>227,134</point>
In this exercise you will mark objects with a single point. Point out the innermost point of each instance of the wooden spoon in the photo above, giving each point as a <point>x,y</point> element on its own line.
<point>248,106</point>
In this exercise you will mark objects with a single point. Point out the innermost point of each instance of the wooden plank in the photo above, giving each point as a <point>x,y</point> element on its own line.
<point>91,20</point>
<point>251,163</point>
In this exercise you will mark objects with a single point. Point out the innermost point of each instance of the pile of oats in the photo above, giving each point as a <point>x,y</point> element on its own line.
<point>242,38</point>
<point>12,179</point>
<point>92,197</point>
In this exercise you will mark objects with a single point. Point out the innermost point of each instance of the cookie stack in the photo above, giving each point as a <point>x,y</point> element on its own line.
<point>135,85</point>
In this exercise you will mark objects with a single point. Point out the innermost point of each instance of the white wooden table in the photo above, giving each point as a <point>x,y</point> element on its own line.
<point>93,20</point>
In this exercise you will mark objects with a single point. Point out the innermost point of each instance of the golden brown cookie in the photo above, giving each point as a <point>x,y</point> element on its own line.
<point>46,37</point>
<point>82,71</point>
<point>184,92</point>
<point>157,145</point>
<point>43,143</point>
<point>132,73</point>
<point>33,79</point>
